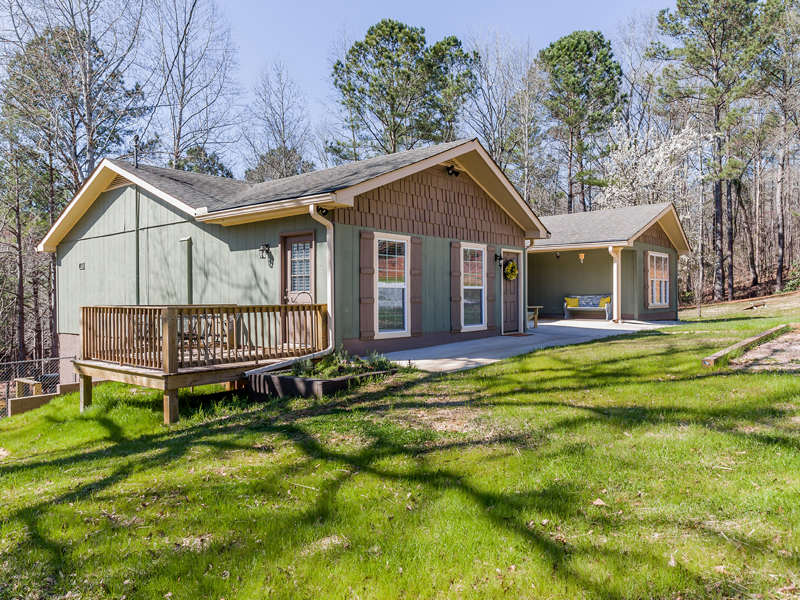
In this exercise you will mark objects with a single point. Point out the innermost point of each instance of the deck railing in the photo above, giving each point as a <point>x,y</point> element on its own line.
<point>170,338</point>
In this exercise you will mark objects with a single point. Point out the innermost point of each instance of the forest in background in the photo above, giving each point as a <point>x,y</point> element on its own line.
<point>696,106</point>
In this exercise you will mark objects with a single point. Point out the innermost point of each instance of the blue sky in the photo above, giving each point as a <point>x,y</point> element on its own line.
<point>302,31</point>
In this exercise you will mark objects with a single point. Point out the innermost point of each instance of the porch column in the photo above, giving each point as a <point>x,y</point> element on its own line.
<point>616,303</point>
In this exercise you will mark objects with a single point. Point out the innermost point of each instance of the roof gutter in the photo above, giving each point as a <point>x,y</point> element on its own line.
<point>271,210</point>
<point>589,245</point>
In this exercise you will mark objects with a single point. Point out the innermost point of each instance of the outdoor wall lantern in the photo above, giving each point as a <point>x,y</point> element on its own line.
<point>264,251</point>
<point>558,255</point>
<point>581,255</point>
<point>499,259</point>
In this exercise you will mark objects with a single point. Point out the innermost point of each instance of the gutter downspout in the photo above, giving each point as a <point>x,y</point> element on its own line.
<point>136,241</point>
<point>312,211</point>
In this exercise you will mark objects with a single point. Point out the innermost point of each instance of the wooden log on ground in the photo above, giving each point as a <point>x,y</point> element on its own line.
<point>723,356</point>
<point>755,305</point>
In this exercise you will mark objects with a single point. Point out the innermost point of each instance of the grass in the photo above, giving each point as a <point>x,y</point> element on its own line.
<point>474,485</point>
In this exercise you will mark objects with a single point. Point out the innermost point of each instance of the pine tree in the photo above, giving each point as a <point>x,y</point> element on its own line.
<point>400,92</point>
<point>712,65</point>
<point>584,99</point>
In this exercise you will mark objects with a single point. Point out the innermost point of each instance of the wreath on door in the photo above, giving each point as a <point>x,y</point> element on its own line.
<point>511,270</point>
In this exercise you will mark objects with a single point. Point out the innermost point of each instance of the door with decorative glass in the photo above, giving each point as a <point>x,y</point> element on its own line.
<point>298,283</point>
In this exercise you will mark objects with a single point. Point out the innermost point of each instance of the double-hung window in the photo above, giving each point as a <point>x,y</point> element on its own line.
<point>392,275</point>
<point>659,279</point>
<point>473,287</point>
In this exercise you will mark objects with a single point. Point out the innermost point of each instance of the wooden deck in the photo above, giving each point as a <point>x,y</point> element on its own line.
<point>173,347</point>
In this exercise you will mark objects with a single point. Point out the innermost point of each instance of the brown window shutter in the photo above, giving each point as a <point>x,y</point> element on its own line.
<point>646,280</point>
<point>415,288</point>
<point>367,285</point>
<point>490,287</point>
<point>455,287</point>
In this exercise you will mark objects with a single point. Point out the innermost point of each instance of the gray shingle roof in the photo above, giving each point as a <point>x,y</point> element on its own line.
<point>195,189</point>
<point>219,193</point>
<point>335,178</point>
<point>599,226</point>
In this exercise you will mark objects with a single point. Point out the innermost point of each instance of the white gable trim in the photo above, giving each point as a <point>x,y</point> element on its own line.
<point>682,243</point>
<point>103,175</point>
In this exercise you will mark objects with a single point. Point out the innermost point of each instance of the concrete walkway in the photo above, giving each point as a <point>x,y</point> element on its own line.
<point>468,355</point>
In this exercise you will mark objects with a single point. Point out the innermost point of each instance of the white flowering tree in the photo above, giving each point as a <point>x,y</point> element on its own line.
<point>647,167</point>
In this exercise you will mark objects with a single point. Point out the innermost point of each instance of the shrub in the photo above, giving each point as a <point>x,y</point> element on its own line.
<point>340,363</point>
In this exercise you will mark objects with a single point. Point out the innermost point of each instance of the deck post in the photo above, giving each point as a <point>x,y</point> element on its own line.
<point>169,350</point>
<point>170,406</point>
<point>85,391</point>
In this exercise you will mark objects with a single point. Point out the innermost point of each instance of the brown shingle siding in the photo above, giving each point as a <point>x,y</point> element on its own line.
<point>656,236</point>
<point>435,204</point>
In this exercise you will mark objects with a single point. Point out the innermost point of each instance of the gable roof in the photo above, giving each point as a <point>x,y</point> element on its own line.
<point>611,227</point>
<point>230,202</point>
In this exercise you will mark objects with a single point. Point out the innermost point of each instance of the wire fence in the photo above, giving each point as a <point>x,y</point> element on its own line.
<point>29,378</point>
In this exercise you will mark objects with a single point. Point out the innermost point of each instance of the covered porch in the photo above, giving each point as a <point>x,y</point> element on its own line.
<point>174,347</point>
<point>584,271</point>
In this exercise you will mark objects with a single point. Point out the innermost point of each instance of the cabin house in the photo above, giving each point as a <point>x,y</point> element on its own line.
<point>170,279</point>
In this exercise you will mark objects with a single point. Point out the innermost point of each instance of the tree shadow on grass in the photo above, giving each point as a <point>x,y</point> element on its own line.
<point>385,457</point>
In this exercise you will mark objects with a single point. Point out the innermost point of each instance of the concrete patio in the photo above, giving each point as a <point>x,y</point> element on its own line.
<point>468,355</point>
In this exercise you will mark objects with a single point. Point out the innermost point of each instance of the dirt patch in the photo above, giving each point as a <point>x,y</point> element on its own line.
<point>780,354</point>
<point>325,544</point>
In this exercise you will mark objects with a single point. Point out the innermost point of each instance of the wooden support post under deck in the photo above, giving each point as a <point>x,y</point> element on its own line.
<point>85,391</point>
<point>170,406</point>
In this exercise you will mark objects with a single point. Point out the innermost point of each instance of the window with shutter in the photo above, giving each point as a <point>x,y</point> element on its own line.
<point>392,307</point>
<point>658,279</point>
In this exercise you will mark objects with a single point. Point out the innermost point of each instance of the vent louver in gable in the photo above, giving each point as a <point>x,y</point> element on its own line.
<point>118,182</point>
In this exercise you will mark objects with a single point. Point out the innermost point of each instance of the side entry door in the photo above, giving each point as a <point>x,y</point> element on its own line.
<point>298,285</point>
<point>510,298</point>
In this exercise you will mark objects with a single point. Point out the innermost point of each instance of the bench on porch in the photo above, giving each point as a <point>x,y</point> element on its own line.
<point>589,303</point>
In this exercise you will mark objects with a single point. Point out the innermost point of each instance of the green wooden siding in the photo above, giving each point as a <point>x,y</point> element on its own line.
<point>226,267</point>
<point>435,283</point>
<point>550,279</point>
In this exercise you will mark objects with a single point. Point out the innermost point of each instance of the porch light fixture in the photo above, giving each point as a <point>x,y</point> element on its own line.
<point>264,251</point>
<point>499,259</point>
<point>558,255</point>
<point>581,256</point>
<point>451,170</point>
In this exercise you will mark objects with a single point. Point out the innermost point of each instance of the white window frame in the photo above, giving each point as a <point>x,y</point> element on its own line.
<point>483,326</point>
<point>650,279</point>
<point>391,237</point>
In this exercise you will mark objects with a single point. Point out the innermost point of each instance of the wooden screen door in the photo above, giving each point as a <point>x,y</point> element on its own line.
<point>510,297</point>
<point>298,283</point>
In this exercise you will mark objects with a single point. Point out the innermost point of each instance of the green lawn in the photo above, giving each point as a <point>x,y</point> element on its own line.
<point>472,485</point>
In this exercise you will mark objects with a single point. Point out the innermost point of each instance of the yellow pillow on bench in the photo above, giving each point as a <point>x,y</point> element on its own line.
<point>604,301</point>
<point>571,302</point>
